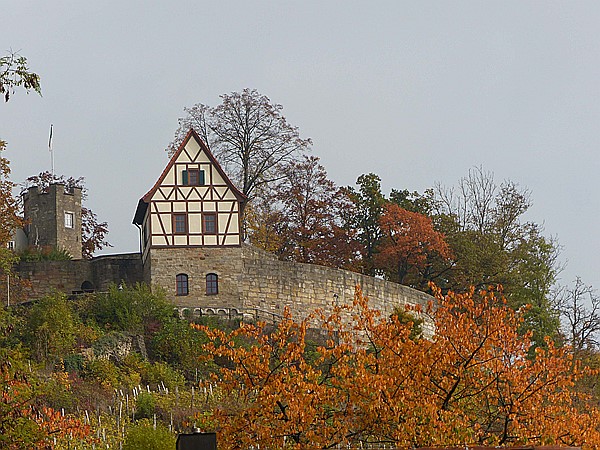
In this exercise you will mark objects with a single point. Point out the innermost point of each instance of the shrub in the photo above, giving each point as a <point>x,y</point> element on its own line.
<point>143,436</point>
<point>103,371</point>
<point>145,405</point>
<point>73,363</point>
<point>161,373</point>
<point>44,254</point>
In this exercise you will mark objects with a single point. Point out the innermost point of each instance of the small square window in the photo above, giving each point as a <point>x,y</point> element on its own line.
<point>209,223</point>
<point>196,177</point>
<point>68,220</point>
<point>193,177</point>
<point>180,223</point>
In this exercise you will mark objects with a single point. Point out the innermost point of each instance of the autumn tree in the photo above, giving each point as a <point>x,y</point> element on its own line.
<point>14,72</point>
<point>25,421</point>
<point>10,221</point>
<point>312,223</point>
<point>265,222</point>
<point>93,232</point>
<point>408,245</point>
<point>9,207</point>
<point>249,136</point>
<point>474,382</point>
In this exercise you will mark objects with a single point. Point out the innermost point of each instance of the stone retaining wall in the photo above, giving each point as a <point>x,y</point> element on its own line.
<point>270,285</point>
<point>46,277</point>
<point>250,279</point>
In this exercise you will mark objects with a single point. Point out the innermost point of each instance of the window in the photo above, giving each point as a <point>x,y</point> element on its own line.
<point>68,220</point>
<point>181,281</point>
<point>209,223</point>
<point>212,284</point>
<point>180,223</point>
<point>196,177</point>
<point>193,177</point>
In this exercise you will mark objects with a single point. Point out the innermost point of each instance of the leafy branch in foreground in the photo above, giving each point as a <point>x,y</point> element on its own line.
<point>14,72</point>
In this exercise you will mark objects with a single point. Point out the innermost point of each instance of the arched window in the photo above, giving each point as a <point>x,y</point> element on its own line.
<point>87,286</point>
<point>212,284</point>
<point>182,284</point>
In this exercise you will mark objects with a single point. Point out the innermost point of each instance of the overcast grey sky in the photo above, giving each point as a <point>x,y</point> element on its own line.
<point>417,92</point>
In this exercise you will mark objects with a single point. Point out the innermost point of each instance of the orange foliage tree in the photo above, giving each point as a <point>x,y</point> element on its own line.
<point>25,423</point>
<point>409,245</point>
<point>472,383</point>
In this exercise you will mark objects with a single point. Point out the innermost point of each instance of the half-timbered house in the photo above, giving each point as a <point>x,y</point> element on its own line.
<point>190,229</point>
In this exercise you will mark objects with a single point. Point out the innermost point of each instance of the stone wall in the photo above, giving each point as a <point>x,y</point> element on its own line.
<point>225,262</point>
<point>254,282</point>
<point>251,281</point>
<point>271,285</point>
<point>45,277</point>
<point>97,274</point>
<point>114,269</point>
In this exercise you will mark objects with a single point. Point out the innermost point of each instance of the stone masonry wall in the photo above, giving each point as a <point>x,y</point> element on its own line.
<point>226,262</point>
<point>46,277</point>
<point>271,285</point>
<point>114,269</point>
<point>250,281</point>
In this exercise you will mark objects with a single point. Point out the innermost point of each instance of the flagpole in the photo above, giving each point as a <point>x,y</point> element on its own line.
<point>50,149</point>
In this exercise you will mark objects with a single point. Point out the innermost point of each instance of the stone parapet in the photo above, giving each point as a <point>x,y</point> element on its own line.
<point>271,285</point>
<point>46,277</point>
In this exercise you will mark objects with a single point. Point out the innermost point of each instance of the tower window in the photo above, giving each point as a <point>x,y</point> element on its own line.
<point>68,220</point>
<point>212,284</point>
<point>209,223</point>
<point>180,223</point>
<point>181,281</point>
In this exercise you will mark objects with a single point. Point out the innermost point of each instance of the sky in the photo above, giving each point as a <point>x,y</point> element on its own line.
<point>417,92</point>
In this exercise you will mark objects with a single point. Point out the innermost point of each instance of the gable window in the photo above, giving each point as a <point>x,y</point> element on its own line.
<point>212,284</point>
<point>196,177</point>
<point>68,220</point>
<point>209,223</point>
<point>193,177</point>
<point>181,281</point>
<point>180,223</point>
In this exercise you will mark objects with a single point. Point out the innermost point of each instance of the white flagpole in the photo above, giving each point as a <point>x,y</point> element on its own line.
<point>50,149</point>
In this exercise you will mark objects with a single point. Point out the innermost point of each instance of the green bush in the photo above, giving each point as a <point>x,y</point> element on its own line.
<point>143,436</point>
<point>102,371</point>
<point>132,310</point>
<point>44,254</point>
<point>161,373</point>
<point>73,363</point>
<point>51,329</point>
<point>145,406</point>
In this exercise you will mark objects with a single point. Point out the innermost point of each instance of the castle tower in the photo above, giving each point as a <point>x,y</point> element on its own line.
<point>54,218</point>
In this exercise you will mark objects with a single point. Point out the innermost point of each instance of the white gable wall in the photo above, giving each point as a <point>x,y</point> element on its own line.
<point>172,197</point>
